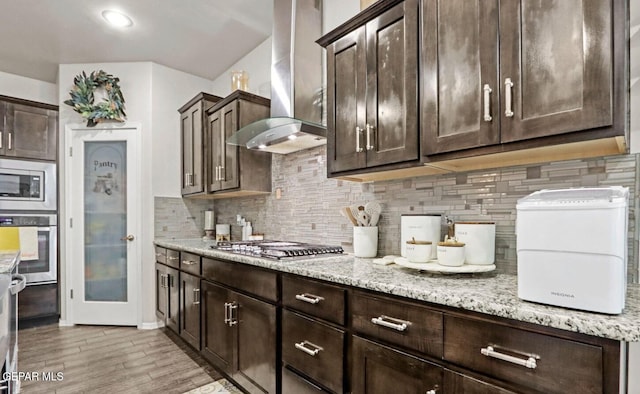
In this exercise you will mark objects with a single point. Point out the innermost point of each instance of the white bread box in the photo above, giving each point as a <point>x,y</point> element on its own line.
<point>572,248</point>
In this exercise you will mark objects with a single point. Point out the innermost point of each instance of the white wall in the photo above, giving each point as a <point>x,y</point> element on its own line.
<point>257,64</point>
<point>29,89</point>
<point>170,90</point>
<point>153,94</point>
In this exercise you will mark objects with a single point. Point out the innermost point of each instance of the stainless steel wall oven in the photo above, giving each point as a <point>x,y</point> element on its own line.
<point>44,269</point>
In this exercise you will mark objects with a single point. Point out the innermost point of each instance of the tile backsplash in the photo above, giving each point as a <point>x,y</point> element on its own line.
<point>309,203</point>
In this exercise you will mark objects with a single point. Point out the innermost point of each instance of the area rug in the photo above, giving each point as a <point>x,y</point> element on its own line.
<point>221,386</point>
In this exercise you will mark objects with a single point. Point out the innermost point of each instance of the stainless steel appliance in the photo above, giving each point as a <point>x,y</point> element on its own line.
<point>279,250</point>
<point>44,269</point>
<point>11,284</point>
<point>27,185</point>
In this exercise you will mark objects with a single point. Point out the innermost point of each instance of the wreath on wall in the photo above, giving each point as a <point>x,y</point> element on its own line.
<point>82,98</point>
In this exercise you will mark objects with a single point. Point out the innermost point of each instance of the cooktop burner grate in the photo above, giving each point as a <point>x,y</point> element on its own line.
<point>278,250</point>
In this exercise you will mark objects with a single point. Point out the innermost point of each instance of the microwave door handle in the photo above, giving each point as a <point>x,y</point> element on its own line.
<point>18,282</point>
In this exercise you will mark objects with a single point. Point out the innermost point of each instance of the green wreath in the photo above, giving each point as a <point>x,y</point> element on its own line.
<point>112,108</point>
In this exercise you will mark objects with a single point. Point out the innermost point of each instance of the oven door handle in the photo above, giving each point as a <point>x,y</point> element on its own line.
<point>18,282</point>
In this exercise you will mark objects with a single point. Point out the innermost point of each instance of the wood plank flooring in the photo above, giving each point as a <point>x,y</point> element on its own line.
<point>105,359</point>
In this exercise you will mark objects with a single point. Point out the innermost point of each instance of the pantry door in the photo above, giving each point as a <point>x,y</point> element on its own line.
<point>104,227</point>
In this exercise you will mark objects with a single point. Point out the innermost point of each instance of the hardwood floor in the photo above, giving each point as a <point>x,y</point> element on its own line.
<point>105,359</point>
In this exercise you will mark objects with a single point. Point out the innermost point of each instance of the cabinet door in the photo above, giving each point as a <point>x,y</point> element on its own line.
<point>215,156</point>
<point>460,92</point>
<point>346,102</point>
<point>190,309</point>
<point>191,129</point>
<point>558,56</point>
<point>229,171</point>
<point>292,383</point>
<point>173,305</point>
<point>456,383</point>
<point>3,134</point>
<point>161,292</point>
<point>255,350</point>
<point>380,369</point>
<point>391,129</point>
<point>31,132</point>
<point>217,336</point>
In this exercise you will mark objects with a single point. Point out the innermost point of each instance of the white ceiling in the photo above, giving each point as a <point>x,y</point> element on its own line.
<point>200,37</point>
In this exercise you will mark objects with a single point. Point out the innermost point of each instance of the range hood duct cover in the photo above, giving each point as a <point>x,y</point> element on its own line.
<point>296,83</point>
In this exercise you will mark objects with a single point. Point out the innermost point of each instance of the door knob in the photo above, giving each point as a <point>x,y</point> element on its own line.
<point>128,238</point>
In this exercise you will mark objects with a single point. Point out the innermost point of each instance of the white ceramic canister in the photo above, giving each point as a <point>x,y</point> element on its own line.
<point>418,251</point>
<point>451,254</point>
<point>480,241</point>
<point>425,227</point>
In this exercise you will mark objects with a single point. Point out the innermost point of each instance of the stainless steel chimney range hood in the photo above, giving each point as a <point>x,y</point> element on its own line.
<point>296,83</point>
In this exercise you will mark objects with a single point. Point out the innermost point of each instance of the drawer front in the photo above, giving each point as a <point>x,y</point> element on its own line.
<point>406,324</point>
<point>561,366</point>
<point>314,349</point>
<point>190,263</point>
<point>253,280</point>
<point>315,298</point>
<point>161,255</point>
<point>461,384</point>
<point>173,258</point>
<point>292,383</point>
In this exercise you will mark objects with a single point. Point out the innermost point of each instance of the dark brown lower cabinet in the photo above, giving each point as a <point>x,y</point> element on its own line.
<point>456,383</point>
<point>381,369</point>
<point>172,320</point>
<point>190,309</point>
<point>239,336</point>
<point>162,297</point>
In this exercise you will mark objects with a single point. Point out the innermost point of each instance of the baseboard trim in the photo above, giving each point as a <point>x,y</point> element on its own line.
<point>64,323</point>
<point>150,326</point>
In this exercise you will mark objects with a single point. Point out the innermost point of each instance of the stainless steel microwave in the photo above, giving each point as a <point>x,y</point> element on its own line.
<point>27,185</point>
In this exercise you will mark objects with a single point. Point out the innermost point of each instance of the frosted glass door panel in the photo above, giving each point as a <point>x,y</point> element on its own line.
<point>105,221</point>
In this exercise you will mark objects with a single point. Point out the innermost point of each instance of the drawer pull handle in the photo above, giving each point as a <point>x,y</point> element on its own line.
<point>157,254</point>
<point>196,296</point>
<point>303,346</point>
<point>396,324</point>
<point>173,258</point>
<point>189,262</point>
<point>310,298</point>
<point>530,362</point>
<point>358,148</point>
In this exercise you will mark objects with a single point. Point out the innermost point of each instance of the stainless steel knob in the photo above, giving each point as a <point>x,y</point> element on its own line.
<point>128,238</point>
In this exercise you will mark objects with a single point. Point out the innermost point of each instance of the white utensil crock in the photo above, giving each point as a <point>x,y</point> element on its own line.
<point>365,241</point>
<point>479,239</point>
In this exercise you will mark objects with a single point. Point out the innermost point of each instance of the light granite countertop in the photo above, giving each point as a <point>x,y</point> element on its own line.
<point>490,293</point>
<point>8,260</point>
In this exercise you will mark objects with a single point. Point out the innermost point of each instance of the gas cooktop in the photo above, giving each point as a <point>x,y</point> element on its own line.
<point>279,250</point>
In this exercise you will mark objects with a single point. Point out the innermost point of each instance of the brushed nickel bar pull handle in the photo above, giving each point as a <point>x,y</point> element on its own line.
<point>217,173</point>
<point>369,128</point>
<point>358,148</point>
<point>310,298</point>
<point>396,324</point>
<point>172,258</point>
<point>530,362</point>
<point>232,320</point>
<point>0,139</point>
<point>189,262</point>
<point>157,254</point>
<point>162,281</point>
<point>487,102</point>
<point>222,174</point>
<point>432,391</point>
<point>226,313</point>
<point>10,135</point>
<point>508,85</point>
<point>196,296</point>
<point>303,346</point>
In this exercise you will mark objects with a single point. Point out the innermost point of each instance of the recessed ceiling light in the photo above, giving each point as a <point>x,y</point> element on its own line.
<point>116,18</point>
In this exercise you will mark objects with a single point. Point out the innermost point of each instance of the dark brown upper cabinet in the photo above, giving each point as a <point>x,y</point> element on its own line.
<point>372,66</point>
<point>192,122</point>
<point>28,130</point>
<point>501,72</point>
<point>234,170</point>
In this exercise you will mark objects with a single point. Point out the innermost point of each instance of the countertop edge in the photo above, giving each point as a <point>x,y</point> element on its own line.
<point>623,327</point>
